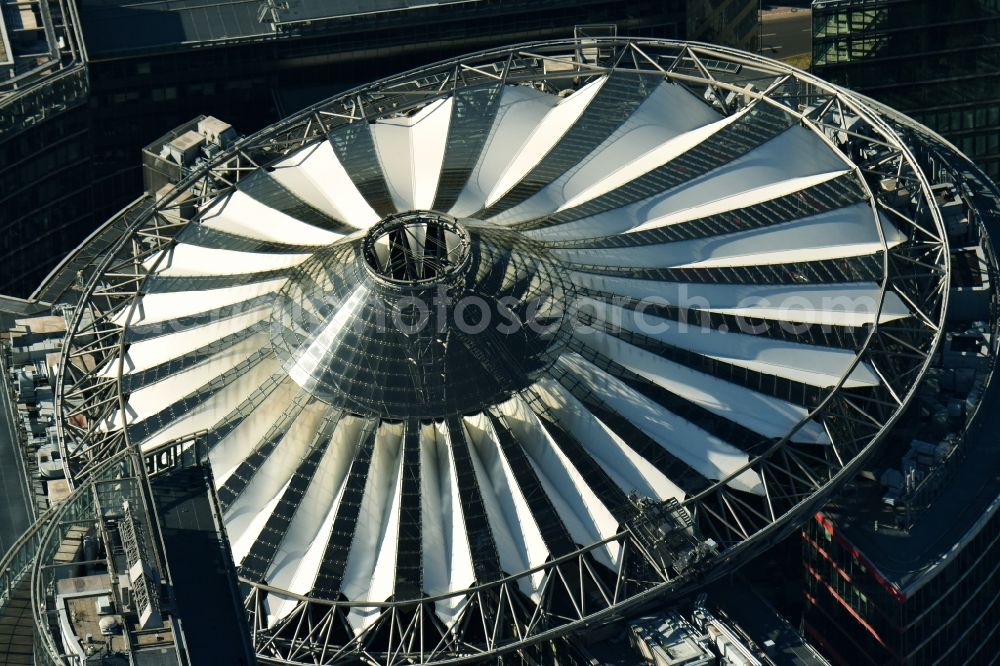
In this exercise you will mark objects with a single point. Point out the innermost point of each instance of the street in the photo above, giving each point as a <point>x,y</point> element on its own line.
<point>786,32</point>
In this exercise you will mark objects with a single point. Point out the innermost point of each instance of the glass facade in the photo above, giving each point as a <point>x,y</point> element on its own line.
<point>42,173</point>
<point>849,612</point>
<point>938,62</point>
<point>45,170</point>
<point>860,618</point>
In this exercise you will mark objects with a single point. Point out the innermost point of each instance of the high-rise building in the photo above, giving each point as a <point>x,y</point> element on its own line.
<point>938,62</point>
<point>85,84</point>
<point>46,200</point>
<point>903,567</point>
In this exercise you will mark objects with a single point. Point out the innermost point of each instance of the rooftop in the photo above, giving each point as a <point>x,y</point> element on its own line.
<point>739,602</point>
<point>12,307</point>
<point>118,25</point>
<point>37,39</point>
<point>907,559</point>
<point>107,584</point>
<point>729,625</point>
<point>822,4</point>
<point>969,495</point>
<point>113,26</point>
<point>309,10</point>
<point>42,69</point>
<point>80,602</point>
<point>214,627</point>
<point>965,492</point>
<point>283,243</point>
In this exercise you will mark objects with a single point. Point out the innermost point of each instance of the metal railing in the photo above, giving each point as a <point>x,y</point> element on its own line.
<point>29,556</point>
<point>75,270</point>
<point>51,96</point>
<point>54,86</point>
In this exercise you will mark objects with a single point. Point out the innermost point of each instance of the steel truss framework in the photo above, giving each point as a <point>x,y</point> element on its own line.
<point>497,617</point>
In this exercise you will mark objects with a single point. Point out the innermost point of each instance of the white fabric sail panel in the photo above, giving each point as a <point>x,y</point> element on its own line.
<point>240,214</point>
<point>809,364</point>
<point>708,455</point>
<point>795,153</point>
<point>299,576</point>
<point>834,235</point>
<point>740,200</point>
<point>416,239</point>
<point>255,521</point>
<point>317,177</point>
<point>248,514</point>
<point>277,607</point>
<point>381,248</point>
<point>586,518</point>
<point>621,220</point>
<point>771,364</point>
<point>521,109</point>
<point>154,398</point>
<point>548,132</point>
<point>626,467</point>
<point>850,304</point>
<point>209,413</point>
<point>668,112</point>
<point>519,542</point>
<point>447,561</point>
<point>307,364</point>
<point>632,219</point>
<point>178,341</point>
<point>370,572</point>
<point>230,452</point>
<point>298,559</point>
<point>184,260</point>
<point>164,306</point>
<point>764,414</point>
<point>843,232</point>
<point>411,152</point>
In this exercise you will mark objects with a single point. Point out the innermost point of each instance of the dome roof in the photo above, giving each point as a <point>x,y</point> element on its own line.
<point>452,342</point>
<point>622,199</point>
<point>423,316</point>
